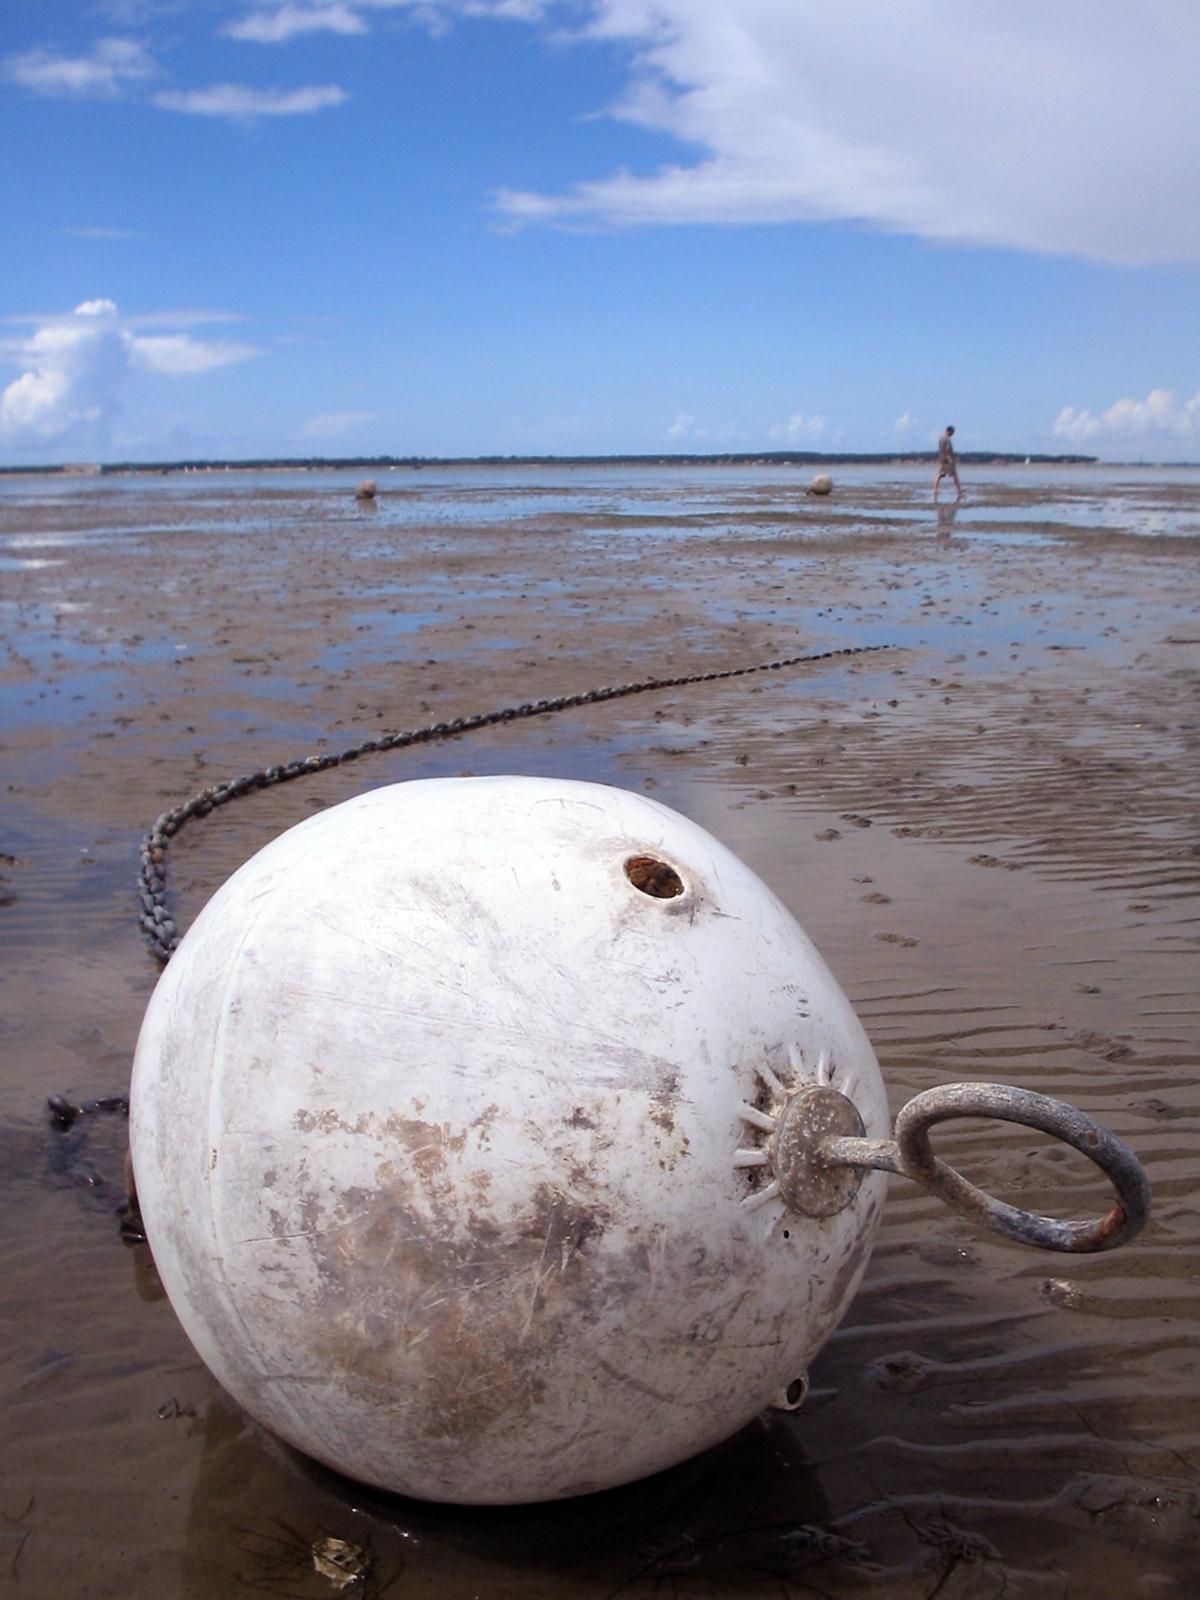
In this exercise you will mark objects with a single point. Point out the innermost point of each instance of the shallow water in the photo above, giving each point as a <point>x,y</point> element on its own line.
<point>672,502</point>
<point>990,834</point>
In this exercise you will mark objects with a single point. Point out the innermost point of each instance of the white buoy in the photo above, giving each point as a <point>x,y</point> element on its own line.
<point>454,1120</point>
<point>822,484</point>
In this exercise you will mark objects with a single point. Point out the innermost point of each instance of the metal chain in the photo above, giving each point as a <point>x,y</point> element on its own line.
<point>159,926</point>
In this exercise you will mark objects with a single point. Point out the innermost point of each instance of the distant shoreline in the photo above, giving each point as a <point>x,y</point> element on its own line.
<point>757,458</point>
<point>749,458</point>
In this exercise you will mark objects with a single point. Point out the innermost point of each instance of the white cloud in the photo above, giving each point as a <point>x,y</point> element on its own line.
<point>798,429</point>
<point>1064,128</point>
<point>191,318</point>
<point>510,10</point>
<point>75,367</point>
<point>112,67</point>
<point>1159,416</point>
<point>179,355</point>
<point>1068,127</point>
<point>71,367</point>
<point>277,21</point>
<point>277,24</point>
<point>445,11</point>
<point>240,103</point>
<point>335,424</point>
<point>104,233</point>
<point>133,13</point>
<point>713,435</point>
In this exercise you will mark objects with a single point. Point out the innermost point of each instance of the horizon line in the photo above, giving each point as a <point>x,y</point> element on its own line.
<point>617,458</point>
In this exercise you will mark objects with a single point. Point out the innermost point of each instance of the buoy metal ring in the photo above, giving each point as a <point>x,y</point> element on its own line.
<point>911,1154</point>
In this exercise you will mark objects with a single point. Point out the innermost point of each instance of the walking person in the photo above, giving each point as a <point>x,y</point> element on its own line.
<point>947,466</point>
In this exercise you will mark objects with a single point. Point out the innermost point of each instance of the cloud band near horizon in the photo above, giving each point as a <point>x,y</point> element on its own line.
<point>75,367</point>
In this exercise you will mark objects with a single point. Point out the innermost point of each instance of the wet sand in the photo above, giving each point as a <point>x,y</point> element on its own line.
<point>990,832</point>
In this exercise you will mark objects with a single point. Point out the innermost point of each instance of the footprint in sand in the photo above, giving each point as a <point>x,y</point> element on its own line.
<point>901,1372</point>
<point>1155,1106</point>
<point>1099,1044</point>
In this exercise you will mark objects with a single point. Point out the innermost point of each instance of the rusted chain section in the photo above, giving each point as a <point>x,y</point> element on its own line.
<point>159,926</point>
<point>65,1113</point>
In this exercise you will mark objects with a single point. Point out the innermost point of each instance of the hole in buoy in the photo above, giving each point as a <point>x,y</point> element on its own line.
<point>653,877</point>
<point>787,1233</point>
<point>794,1396</point>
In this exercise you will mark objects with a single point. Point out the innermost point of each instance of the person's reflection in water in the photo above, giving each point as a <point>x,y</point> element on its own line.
<point>946,513</point>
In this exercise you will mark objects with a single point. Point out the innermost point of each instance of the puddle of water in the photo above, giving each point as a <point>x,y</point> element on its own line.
<point>28,563</point>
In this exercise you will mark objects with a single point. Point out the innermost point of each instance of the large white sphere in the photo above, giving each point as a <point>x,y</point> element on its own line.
<point>436,1120</point>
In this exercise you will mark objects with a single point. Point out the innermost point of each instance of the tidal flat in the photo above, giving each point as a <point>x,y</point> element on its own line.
<point>989,830</point>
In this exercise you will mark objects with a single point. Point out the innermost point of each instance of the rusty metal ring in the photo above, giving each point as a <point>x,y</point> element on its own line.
<point>1055,1117</point>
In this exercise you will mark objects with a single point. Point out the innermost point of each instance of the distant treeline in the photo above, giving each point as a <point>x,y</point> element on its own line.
<point>753,458</point>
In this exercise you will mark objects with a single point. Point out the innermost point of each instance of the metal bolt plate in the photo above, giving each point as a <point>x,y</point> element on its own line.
<point>807,1185</point>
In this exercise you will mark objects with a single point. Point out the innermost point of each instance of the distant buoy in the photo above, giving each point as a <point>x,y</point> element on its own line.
<point>456,1118</point>
<point>822,484</point>
<point>367,490</point>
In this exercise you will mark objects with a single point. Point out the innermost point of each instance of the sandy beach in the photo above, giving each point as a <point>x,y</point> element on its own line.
<point>989,830</point>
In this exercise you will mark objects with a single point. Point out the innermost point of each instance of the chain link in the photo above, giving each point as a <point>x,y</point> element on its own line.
<point>162,933</point>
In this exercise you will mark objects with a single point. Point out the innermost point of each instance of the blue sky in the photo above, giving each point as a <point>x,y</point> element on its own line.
<point>449,227</point>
